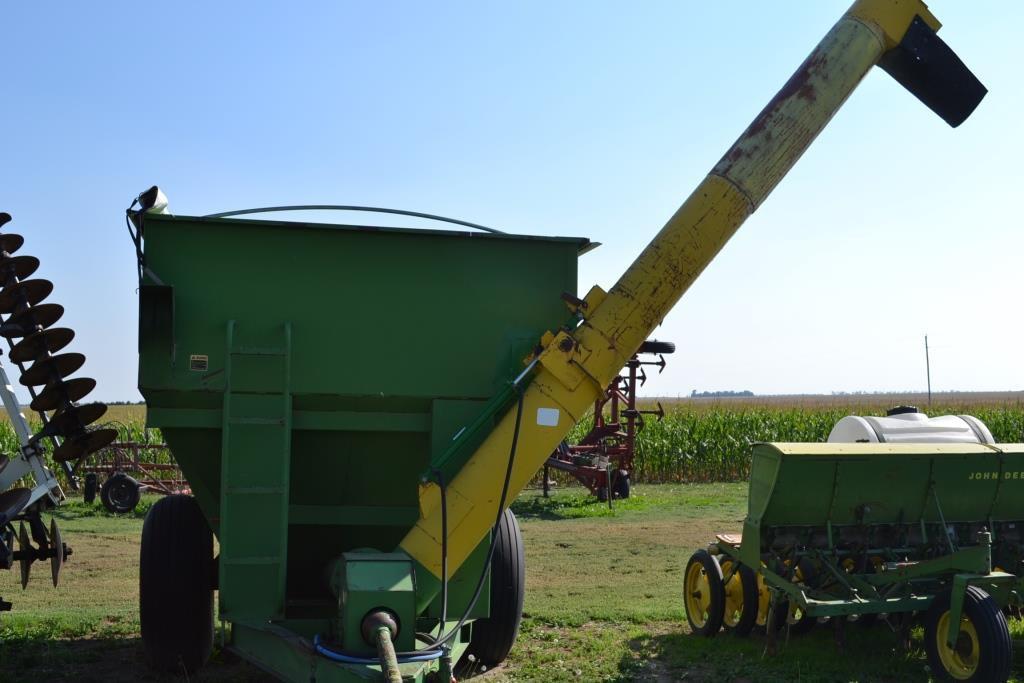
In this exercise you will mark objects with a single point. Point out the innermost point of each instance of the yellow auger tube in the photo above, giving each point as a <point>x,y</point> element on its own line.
<point>574,368</point>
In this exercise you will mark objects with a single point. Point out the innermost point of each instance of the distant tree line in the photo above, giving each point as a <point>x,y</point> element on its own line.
<point>720,394</point>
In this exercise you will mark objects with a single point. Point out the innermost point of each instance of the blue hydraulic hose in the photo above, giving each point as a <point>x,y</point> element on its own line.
<point>349,659</point>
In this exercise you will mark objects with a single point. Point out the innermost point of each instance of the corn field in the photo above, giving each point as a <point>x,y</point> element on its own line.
<point>712,443</point>
<point>694,443</point>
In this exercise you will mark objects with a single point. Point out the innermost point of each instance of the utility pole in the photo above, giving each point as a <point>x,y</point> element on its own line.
<point>928,370</point>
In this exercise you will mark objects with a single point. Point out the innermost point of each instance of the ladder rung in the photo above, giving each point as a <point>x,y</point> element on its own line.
<point>275,421</point>
<point>251,560</point>
<point>254,490</point>
<point>258,351</point>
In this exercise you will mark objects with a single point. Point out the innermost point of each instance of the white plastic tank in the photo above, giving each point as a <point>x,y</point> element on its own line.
<point>906,425</point>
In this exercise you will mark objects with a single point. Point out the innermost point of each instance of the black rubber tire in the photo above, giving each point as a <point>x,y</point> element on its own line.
<point>602,494</point>
<point>995,648</point>
<point>748,617</point>
<point>620,485</point>
<point>176,585</point>
<point>494,636</point>
<point>89,488</point>
<point>712,622</point>
<point>120,493</point>
<point>655,346</point>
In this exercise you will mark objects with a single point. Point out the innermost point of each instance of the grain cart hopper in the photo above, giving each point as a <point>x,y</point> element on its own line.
<point>354,413</point>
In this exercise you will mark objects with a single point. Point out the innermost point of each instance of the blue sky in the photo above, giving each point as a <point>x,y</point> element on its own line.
<point>592,119</point>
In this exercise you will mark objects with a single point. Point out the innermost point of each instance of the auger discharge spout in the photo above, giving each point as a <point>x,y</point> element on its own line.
<point>575,365</point>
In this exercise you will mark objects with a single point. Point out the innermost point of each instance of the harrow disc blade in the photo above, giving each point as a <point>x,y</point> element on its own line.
<point>40,344</point>
<point>31,320</point>
<point>23,294</point>
<point>5,218</point>
<point>80,446</point>
<point>11,242</point>
<point>52,369</point>
<point>20,267</point>
<point>25,563</point>
<point>74,420</point>
<point>57,546</point>
<point>59,394</point>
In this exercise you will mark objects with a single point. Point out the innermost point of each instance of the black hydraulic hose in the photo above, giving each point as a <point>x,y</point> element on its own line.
<point>434,649</point>
<point>444,550</point>
<point>485,572</point>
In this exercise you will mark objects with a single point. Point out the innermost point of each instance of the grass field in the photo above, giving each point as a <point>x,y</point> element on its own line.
<point>602,603</point>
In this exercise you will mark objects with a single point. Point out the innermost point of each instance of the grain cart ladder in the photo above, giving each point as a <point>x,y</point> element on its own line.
<point>421,598</point>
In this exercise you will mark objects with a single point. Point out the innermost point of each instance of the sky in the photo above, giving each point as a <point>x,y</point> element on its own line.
<point>591,119</point>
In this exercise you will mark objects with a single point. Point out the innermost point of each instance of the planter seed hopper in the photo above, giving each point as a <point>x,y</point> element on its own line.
<point>355,407</point>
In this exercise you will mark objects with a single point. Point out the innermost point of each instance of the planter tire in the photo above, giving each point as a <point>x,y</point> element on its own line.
<point>983,651</point>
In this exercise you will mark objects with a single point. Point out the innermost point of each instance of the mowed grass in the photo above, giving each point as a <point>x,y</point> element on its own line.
<point>602,604</point>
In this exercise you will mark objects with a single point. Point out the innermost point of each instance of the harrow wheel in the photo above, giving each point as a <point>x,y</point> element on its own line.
<point>120,493</point>
<point>704,594</point>
<point>741,598</point>
<point>983,651</point>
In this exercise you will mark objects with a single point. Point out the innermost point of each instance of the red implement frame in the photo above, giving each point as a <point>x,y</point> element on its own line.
<point>136,458</point>
<point>603,458</point>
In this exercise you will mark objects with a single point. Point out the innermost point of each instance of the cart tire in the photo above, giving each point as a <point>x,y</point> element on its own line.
<point>741,600</point>
<point>620,487</point>
<point>89,488</point>
<point>494,636</point>
<point>176,585</point>
<point>120,493</point>
<point>602,494</point>
<point>655,346</point>
<point>703,594</point>
<point>984,650</point>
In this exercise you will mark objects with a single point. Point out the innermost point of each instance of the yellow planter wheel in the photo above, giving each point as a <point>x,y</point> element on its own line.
<point>703,594</point>
<point>741,597</point>
<point>983,650</point>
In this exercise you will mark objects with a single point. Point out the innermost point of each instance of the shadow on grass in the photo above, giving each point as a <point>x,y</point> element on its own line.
<point>572,506</point>
<point>870,655</point>
<point>110,660</point>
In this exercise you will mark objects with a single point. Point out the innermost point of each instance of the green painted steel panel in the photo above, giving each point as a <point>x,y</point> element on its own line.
<point>881,484</point>
<point>398,339</point>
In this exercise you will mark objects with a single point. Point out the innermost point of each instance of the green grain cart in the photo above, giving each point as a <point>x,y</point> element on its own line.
<point>306,386</point>
<point>356,407</point>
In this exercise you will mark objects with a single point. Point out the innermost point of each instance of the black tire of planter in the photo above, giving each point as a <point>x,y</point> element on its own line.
<point>994,646</point>
<point>176,585</point>
<point>704,612</point>
<point>120,493</point>
<point>748,618</point>
<point>620,486</point>
<point>90,487</point>
<point>655,346</point>
<point>494,636</point>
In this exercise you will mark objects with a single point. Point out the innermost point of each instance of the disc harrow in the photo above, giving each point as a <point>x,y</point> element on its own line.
<point>36,350</point>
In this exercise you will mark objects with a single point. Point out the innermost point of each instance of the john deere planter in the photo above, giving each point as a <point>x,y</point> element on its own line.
<point>356,407</point>
<point>851,531</point>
